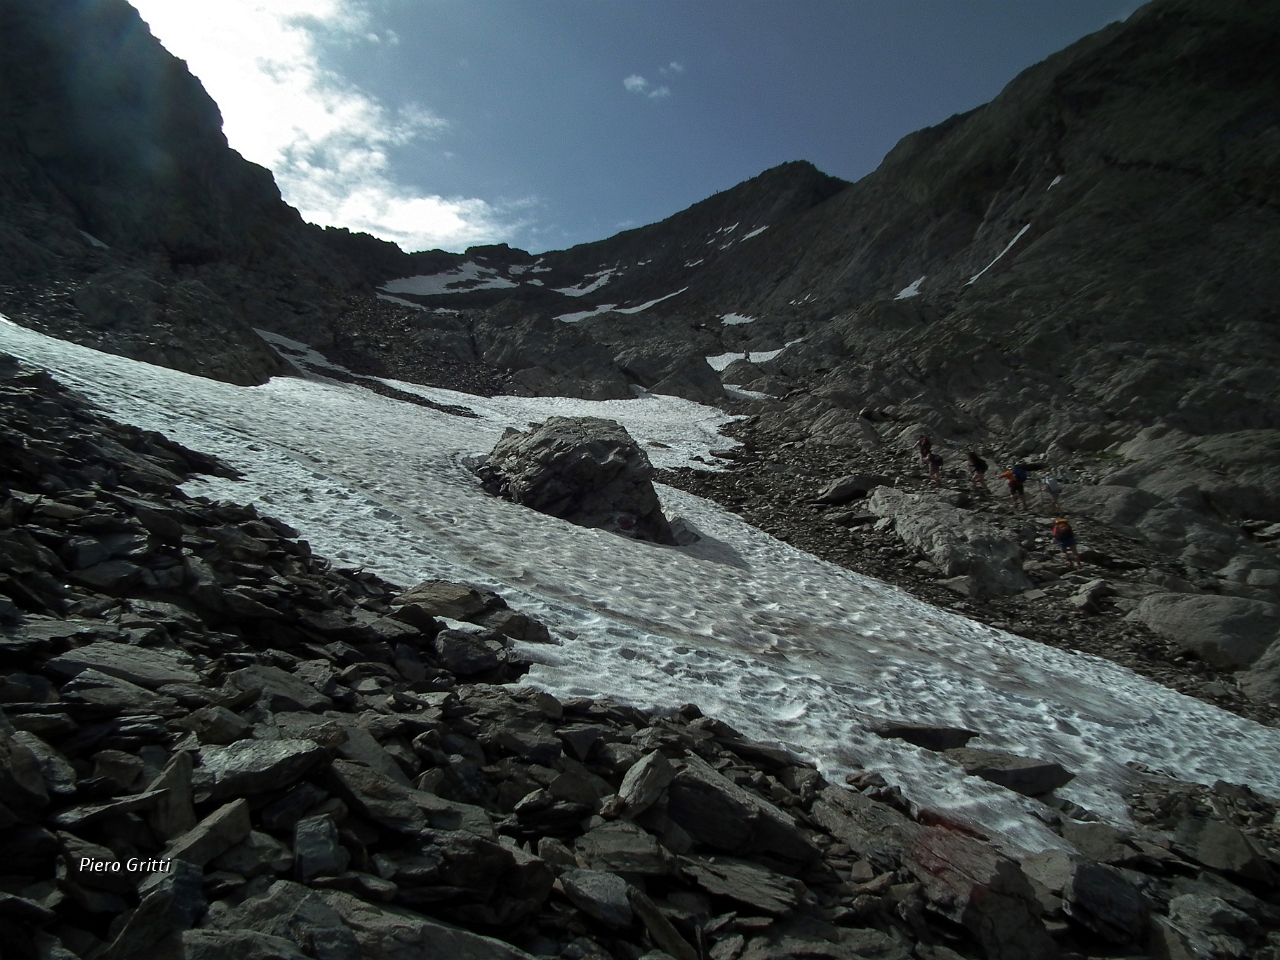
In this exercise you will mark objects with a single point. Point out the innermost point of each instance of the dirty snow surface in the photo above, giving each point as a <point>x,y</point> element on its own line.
<point>783,646</point>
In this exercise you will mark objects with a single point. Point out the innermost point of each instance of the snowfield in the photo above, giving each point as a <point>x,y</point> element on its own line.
<point>779,644</point>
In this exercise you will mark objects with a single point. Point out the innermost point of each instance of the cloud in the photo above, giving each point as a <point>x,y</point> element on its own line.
<point>638,84</point>
<point>324,138</point>
<point>673,67</point>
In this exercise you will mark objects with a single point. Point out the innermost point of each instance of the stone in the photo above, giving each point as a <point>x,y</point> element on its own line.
<point>622,847</point>
<point>171,901</point>
<point>296,913</point>
<point>259,766</point>
<point>76,849</point>
<point>215,725</point>
<point>58,775</point>
<point>600,895</point>
<point>22,786</point>
<point>1262,680</point>
<point>715,811</point>
<point>256,854</point>
<point>1221,846</point>
<point>75,817</point>
<point>112,576</point>
<point>1102,899</point>
<point>403,809</point>
<point>207,944</point>
<point>174,814</point>
<point>316,849</point>
<point>213,836</point>
<point>148,667</point>
<point>874,831</point>
<point>959,543</point>
<point>585,470</point>
<point>929,736</point>
<point>392,933</point>
<point>361,747</point>
<point>754,886</point>
<point>849,488</point>
<point>101,689</point>
<point>1097,841</point>
<point>660,929</point>
<point>440,598</point>
<point>465,654</point>
<point>813,939</point>
<point>1225,632</point>
<point>1032,778</point>
<point>282,691</point>
<point>517,626</point>
<point>644,783</point>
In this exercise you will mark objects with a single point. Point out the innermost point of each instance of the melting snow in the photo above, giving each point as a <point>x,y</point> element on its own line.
<point>1056,180</point>
<point>722,361</point>
<point>910,290</point>
<point>402,302</point>
<point>605,307</point>
<point>468,276</point>
<point>600,280</point>
<point>754,233</point>
<point>735,319</point>
<point>1008,247</point>
<point>692,263</point>
<point>783,646</point>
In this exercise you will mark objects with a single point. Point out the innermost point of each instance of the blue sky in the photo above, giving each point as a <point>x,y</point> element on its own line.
<point>545,123</point>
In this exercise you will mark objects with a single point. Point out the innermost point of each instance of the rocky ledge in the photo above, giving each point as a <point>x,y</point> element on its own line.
<point>215,744</point>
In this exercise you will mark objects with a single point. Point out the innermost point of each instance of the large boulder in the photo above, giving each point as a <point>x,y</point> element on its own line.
<point>1262,680</point>
<point>586,470</point>
<point>1226,632</point>
<point>958,542</point>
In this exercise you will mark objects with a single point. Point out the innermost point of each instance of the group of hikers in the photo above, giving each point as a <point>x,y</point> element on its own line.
<point>1015,477</point>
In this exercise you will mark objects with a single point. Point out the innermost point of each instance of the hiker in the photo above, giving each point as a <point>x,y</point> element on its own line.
<point>935,469</point>
<point>924,446</point>
<point>1065,538</point>
<point>1052,488</point>
<point>1016,478</point>
<point>978,468</point>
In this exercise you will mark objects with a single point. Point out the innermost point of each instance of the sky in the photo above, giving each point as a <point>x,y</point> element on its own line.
<point>546,123</point>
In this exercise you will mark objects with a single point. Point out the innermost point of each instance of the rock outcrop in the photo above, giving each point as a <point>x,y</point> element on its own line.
<point>585,470</point>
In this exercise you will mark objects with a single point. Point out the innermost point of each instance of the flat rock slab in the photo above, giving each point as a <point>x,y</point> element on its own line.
<point>1031,778</point>
<point>926,735</point>
<point>404,809</point>
<point>599,894</point>
<point>622,847</point>
<point>746,883</point>
<point>844,489</point>
<point>1226,632</point>
<point>259,766</point>
<point>148,667</point>
<point>283,691</point>
<point>1220,846</point>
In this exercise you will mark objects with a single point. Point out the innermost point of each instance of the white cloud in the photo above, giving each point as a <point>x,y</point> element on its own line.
<point>660,92</point>
<point>635,83</point>
<point>673,67</point>
<point>325,139</point>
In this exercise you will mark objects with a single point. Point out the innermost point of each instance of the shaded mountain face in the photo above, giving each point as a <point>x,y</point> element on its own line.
<point>125,219</point>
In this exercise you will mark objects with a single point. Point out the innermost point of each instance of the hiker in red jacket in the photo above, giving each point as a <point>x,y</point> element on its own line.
<point>1065,538</point>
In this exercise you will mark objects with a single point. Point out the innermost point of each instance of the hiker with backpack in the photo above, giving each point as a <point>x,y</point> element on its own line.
<point>1016,478</point>
<point>935,469</point>
<point>1053,488</point>
<point>924,447</point>
<point>1065,538</point>
<point>978,469</point>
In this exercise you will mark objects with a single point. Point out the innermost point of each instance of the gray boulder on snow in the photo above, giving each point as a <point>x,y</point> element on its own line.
<point>586,470</point>
<point>959,543</point>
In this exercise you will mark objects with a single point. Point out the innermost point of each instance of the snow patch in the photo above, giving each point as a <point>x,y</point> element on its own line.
<point>606,307</point>
<point>910,290</point>
<point>1056,180</point>
<point>772,640</point>
<point>94,241</point>
<point>1008,247</point>
<point>692,263</point>
<point>600,279</point>
<point>466,277</point>
<point>754,233</point>
<point>736,319</point>
<point>403,303</point>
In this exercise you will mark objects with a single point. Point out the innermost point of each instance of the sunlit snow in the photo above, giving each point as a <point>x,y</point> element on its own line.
<point>607,307</point>
<point>910,290</point>
<point>583,289</point>
<point>1008,247</point>
<point>734,319</point>
<point>774,641</point>
<point>466,277</point>
<point>754,233</point>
